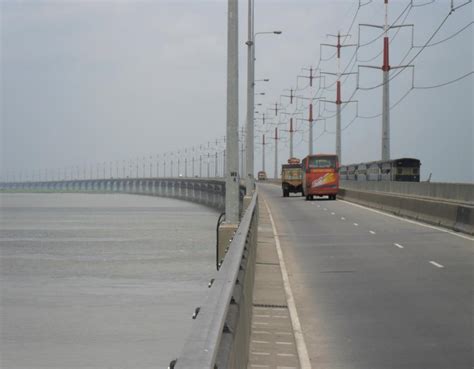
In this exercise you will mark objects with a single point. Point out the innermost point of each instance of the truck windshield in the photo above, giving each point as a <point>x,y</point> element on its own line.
<point>292,173</point>
<point>317,162</point>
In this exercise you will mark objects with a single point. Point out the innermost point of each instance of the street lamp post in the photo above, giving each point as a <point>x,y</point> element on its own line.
<point>250,142</point>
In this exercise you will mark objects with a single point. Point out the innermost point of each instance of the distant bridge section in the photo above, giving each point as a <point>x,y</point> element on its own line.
<point>209,191</point>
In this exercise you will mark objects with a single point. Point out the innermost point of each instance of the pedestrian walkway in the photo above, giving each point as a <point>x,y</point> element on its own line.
<point>272,342</point>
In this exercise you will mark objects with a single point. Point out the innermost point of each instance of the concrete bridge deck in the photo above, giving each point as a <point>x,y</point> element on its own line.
<point>373,290</point>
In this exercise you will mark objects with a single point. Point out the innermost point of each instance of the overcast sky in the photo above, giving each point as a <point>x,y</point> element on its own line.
<point>86,82</point>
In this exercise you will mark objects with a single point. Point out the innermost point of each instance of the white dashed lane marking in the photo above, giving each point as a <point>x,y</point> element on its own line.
<point>371,232</point>
<point>356,224</point>
<point>342,218</point>
<point>436,264</point>
<point>398,245</point>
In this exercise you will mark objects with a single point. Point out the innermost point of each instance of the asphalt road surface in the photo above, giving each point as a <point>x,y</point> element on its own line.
<point>374,291</point>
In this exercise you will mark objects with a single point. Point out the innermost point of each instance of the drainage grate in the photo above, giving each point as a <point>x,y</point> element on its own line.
<point>271,306</point>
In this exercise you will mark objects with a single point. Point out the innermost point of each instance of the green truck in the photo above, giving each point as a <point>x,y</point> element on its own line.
<point>291,177</point>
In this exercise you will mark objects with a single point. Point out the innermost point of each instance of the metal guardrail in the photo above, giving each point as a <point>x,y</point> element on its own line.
<point>230,286</point>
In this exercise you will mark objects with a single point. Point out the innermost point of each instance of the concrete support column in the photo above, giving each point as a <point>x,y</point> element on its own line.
<point>232,141</point>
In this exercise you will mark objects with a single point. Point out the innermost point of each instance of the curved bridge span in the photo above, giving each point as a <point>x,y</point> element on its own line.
<point>209,191</point>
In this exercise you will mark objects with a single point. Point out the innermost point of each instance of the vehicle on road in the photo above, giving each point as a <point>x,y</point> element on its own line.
<point>291,177</point>
<point>320,176</point>
<point>262,175</point>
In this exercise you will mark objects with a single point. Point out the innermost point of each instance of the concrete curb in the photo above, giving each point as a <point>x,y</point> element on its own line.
<point>459,217</point>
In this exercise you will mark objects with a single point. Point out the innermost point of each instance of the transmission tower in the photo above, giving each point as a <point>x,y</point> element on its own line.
<point>338,101</point>
<point>386,67</point>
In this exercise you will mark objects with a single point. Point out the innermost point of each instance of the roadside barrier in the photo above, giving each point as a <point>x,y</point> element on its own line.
<point>455,192</point>
<point>220,335</point>
<point>453,215</point>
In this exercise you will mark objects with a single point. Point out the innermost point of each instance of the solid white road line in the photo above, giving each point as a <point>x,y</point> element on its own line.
<point>436,264</point>
<point>371,232</point>
<point>398,245</point>
<point>295,321</point>
<point>411,221</point>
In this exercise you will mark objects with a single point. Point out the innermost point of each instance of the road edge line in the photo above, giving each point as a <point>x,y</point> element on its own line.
<point>295,321</point>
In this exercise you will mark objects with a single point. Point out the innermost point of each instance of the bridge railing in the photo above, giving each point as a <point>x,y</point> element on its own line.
<point>220,335</point>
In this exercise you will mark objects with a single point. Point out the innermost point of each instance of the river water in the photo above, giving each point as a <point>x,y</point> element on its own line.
<point>100,281</point>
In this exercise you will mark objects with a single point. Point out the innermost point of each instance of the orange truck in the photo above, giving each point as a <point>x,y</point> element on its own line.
<point>320,176</point>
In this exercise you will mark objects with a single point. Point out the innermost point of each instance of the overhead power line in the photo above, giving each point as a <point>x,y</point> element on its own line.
<point>447,38</point>
<point>445,83</point>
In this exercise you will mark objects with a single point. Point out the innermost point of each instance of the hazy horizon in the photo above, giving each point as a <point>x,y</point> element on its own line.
<point>87,82</point>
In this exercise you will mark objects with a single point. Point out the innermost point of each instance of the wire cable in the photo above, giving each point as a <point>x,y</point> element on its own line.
<point>447,38</point>
<point>445,83</point>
